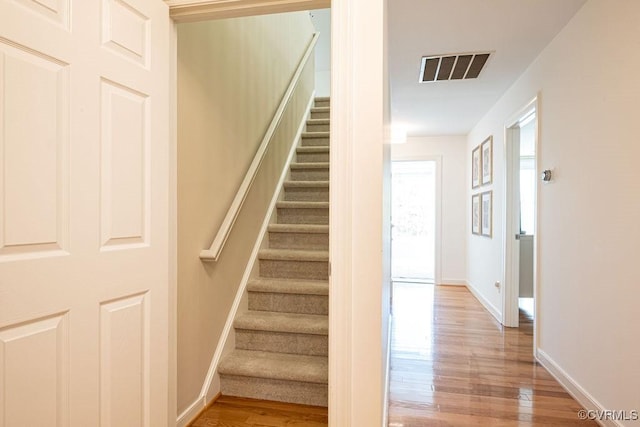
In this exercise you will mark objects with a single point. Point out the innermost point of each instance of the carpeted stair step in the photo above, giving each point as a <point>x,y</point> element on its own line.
<point>303,212</point>
<point>312,154</point>
<point>294,264</point>
<point>318,171</point>
<point>320,112</point>
<point>309,191</point>
<point>299,236</point>
<point>289,295</point>
<point>315,139</point>
<point>290,333</point>
<point>318,125</point>
<point>322,101</point>
<point>275,376</point>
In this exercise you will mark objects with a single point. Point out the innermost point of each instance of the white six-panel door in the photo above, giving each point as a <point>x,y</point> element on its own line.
<point>83,212</point>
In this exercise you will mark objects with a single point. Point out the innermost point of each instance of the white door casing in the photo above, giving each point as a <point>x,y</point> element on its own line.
<point>84,134</point>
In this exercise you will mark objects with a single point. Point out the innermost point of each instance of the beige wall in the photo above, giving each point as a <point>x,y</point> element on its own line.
<point>231,76</point>
<point>588,215</point>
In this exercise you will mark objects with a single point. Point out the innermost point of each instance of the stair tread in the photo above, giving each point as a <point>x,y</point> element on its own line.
<point>302,205</point>
<point>313,149</point>
<point>293,255</point>
<point>299,228</point>
<point>278,366</point>
<point>320,109</point>
<point>318,122</point>
<point>289,286</point>
<point>312,324</point>
<point>309,184</point>
<point>322,98</point>
<point>310,165</point>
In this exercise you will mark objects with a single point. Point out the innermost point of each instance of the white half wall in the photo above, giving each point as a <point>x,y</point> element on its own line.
<point>452,150</point>
<point>588,294</point>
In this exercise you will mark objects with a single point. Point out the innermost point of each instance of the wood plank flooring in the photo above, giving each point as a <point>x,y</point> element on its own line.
<point>452,364</point>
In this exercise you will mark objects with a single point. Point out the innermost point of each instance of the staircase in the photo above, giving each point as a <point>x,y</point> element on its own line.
<point>281,342</point>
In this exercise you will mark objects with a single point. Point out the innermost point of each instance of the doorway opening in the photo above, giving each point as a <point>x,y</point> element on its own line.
<point>520,236</point>
<point>413,219</point>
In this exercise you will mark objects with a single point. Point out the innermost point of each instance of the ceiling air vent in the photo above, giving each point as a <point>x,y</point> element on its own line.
<point>452,67</point>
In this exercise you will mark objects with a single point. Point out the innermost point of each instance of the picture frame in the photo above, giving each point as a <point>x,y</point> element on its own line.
<point>486,213</point>
<point>486,162</point>
<point>476,167</point>
<point>475,214</point>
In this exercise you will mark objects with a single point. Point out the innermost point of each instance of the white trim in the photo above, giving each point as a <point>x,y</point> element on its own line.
<point>201,10</point>
<point>573,387</point>
<point>172,306</point>
<point>485,302</point>
<point>510,257</point>
<point>340,209</point>
<point>217,245</point>
<point>387,375</point>
<point>454,282</point>
<point>211,385</point>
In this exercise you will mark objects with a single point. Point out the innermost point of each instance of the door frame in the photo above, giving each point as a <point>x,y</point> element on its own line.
<point>511,209</point>
<point>437,279</point>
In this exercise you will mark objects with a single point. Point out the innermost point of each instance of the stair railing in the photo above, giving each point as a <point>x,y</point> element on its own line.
<point>213,253</point>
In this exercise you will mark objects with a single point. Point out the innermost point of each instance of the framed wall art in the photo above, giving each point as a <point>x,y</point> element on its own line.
<point>486,213</point>
<point>486,161</point>
<point>475,214</point>
<point>476,166</point>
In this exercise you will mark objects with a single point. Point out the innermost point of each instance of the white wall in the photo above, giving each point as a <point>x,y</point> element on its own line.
<point>588,295</point>
<point>321,20</point>
<point>452,150</point>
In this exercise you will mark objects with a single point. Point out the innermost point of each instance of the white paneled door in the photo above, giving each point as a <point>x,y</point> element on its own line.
<point>84,119</point>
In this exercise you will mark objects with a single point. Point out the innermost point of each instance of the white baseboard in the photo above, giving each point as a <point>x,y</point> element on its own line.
<point>485,302</point>
<point>191,412</point>
<point>453,282</point>
<point>211,386</point>
<point>573,388</point>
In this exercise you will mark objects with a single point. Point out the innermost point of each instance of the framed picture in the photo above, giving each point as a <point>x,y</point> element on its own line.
<point>486,214</point>
<point>476,166</point>
<point>475,214</point>
<point>487,160</point>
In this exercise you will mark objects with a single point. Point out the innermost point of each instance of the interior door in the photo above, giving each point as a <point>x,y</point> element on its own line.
<point>83,212</point>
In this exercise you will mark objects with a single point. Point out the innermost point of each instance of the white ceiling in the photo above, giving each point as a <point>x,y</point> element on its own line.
<point>516,30</point>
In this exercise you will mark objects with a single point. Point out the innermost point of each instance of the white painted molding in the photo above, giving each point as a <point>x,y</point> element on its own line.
<point>201,10</point>
<point>573,387</point>
<point>453,282</point>
<point>387,375</point>
<point>213,253</point>
<point>485,302</point>
<point>211,385</point>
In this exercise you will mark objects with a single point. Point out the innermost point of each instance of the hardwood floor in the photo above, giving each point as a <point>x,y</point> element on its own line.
<point>238,412</point>
<point>452,364</point>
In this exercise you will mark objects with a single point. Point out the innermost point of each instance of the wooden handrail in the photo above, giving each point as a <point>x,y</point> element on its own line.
<point>215,249</point>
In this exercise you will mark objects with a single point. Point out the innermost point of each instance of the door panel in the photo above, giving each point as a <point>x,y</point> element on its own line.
<point>83,212</point>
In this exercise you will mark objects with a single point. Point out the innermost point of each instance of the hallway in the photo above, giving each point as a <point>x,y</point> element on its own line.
<point>453,364</point>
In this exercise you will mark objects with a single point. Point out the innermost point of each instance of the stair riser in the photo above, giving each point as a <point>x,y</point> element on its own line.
<point>312,241</point>
<point>312,157</point>
<point>313,141</point>
<point>306,194</point>
<point>310,174</point>
<point>289,303</point>
<point>318,127</point>
<point>282,342</point>
<point>278,390</point>
<point>290,269</point>
<point>303,216</point>
<point>320,114</point>
<point>320,104</point>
